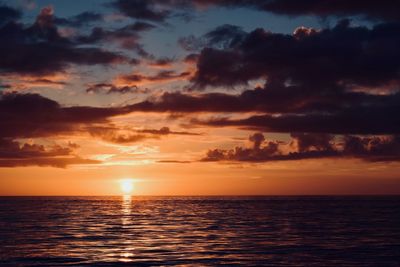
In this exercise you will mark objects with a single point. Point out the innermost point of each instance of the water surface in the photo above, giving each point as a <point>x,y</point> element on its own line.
<point>200,231</point>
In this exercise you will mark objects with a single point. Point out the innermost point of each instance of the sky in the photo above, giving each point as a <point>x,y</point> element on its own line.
<point>199,97</point>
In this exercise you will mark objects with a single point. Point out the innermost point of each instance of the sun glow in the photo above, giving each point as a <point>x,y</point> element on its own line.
<point>126,186</point>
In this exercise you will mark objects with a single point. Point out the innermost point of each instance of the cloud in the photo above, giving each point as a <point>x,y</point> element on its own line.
<point>13,153</point>
<point>174,161</point>
<point>8,14</point>
<point>311,146</point>
<point>191,58</point>
<point>142,9</point>
<point>260,151</point>
<point>114,135</point>
<point>166,131</point>
<point>117,135</point>
<point>384,10</point>
<point>187,103</point>
<point>79,20</point>
<point>331,81</point>
<point>12,149</point>
<point>222,37</point>
<point>60,162</point>
<point>164,75</point>
<point>114,89</point>
<point>373,148</point>
<point>39,49</point>
<point>367,120</point>
<point>161,62</point>
<point>161,10</point>
<point>5,86</point>
<point>342,56</point>
<point>32,115</point>
<point>320,142</point>
<point>290,109</point>
<point>126,37</point>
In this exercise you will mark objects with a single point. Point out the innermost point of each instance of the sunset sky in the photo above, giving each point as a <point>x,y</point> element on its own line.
<point>199,97</point>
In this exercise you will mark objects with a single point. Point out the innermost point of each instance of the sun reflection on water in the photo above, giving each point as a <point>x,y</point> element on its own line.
<point>126,204</point>
<point>126,220</point>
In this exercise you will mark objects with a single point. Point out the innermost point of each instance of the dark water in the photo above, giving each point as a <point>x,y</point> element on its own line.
<point>200,231</point>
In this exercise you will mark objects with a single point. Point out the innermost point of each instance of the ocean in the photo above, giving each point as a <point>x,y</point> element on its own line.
<point>200,231</point>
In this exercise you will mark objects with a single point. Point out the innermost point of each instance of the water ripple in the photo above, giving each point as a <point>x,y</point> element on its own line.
<point>200,231</point>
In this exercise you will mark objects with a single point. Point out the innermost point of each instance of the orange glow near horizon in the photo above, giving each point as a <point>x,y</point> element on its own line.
<point>297,178</point>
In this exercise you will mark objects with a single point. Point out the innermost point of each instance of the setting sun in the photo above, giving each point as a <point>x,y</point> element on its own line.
<point>126,186</point>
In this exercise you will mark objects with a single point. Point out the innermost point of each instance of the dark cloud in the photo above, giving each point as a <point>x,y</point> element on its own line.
<point>12,149</point>
<point>8,14</point>
<point>342,56</point>
<point>331,81</point>
<point>46,82</point>
<point>174,161</point>
<point>164,75</point>
<point>117,135</point>
<point>160,10</point>
<point>5,86</point>
<point>222,37</point>
<point>320,142</point>
<point>31,115</point>
<point>312,146</point>
<point>141,26</point>
<point>79,20</point>
<point>192,43</point>
<point>58,162</point>
<point>142,9</point>
<point>368,120</point>
<point>166,131</point>
<point>162,62</point>
<point>113,89</point>
<point>250,100</point>
<point>260,151</point>
<point>191,58</point>
<point>34,116</point>
<point>13,153</point>
<point>39,49</point>
<point>282,100</point>
<point>383,10</point>
<point>126,37</point>
<point>373,148</point>
<point>114,135</point>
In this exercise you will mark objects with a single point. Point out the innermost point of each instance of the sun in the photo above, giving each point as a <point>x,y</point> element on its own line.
<point>126,186</point>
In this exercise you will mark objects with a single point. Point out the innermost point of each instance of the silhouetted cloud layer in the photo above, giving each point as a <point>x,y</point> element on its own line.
<point>8,14</point>
<point>335,89</point>
<point>160,10</point>
<point>311,146</point>
<point>164,75</point>
<point>109,88</point>
<point>338,58</point>
<point>39,49</point>
<point>291,109</point>
<point>340,80</point>
<point>13,154</point>
<point>79,20</point>
<point>383,10</point>
<point>33,116</point>
<point>117,135</point>
<point>126,37</point>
